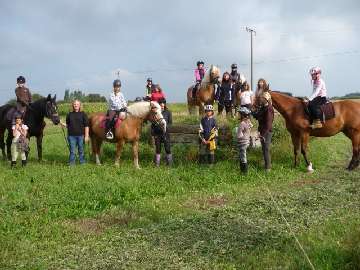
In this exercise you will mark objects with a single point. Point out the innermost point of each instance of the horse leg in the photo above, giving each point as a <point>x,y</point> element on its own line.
<point>355,160</point>
<point>8,144</point>
<point>296,140</point>
<point>135,148</point>
<point>96,145</point>
<point>2,143</point>
<point>39,146</point>
<point>119,147</point>
<point>304,148</point>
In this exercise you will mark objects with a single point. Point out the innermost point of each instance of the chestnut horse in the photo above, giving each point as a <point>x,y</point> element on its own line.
<point>347,120</point>
<point>129,129</point>
<point>206,93</point>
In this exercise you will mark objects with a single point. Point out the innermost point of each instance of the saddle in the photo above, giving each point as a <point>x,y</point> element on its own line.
<point>327,111</point>
<point>117,120</point>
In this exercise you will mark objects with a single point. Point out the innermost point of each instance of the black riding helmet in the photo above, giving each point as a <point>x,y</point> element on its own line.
<point>199,63</point>
<point>163,100</point>
<point>117,83</point>
<point>234,66</point>
<point>20,80</point>
<point>149,80</point>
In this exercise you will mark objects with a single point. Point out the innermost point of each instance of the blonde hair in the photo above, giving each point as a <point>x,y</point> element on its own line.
<point>72,105</point>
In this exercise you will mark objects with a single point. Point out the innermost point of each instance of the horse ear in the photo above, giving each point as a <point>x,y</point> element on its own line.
<point>54,98</point>
<point>48,97</point>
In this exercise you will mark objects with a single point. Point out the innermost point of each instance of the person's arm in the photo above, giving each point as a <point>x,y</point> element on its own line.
<point>24,131</point>
<point>86,125</point>
<point>123,101</point>
<point>217,94</point>
<point>14,128</point>
<point>170,118</point>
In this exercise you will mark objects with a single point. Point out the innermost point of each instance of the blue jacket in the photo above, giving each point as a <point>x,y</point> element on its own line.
<point>206,125</point>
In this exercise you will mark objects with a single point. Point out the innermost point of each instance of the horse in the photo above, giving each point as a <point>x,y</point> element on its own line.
<point>206,94</point>
<point>346,120</point>
<point>33,118</point>
<point>129,129</point>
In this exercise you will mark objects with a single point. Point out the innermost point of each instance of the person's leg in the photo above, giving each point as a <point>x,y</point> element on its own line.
<point>167,146</point>
<point>242,157</point>
<point>202,153</point>
<point>211,156</point>
<point>157,157</point>
<point>23,158</point>
<point>14,152</point>
<point>80,145</point>
<point>72,146</point>
<point>265,143</point>
<point>110,125</point>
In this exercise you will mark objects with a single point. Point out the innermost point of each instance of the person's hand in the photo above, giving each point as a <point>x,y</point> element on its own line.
<point>62,124</point>
<point>203,141</point>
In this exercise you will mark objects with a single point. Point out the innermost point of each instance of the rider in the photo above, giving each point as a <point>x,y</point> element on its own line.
<point>318,96</point>
<point>235,76</point>
<point>150,87</point>
<point>199,75</point>
<point>23,96</point>
<point>225,95</point>
<point>117,107</point>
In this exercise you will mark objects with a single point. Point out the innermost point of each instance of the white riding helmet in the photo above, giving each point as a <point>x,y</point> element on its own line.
<point>244,111</point>
<point>315,70</point>
<point>209,107</point>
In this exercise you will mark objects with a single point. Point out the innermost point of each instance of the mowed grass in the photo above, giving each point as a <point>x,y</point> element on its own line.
<point>185,217</point>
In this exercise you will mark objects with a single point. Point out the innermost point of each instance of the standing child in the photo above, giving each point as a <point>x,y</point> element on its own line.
<point>78,130</point>
<point>243,136</point>
<point>208,134</point>
<point>161,137</point>
<point>20,143</point>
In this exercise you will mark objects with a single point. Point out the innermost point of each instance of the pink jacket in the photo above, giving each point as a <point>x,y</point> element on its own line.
<point>197,74</point>
<point>319,89</point>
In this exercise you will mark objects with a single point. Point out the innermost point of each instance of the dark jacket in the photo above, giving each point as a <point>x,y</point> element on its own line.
<point>156,130</point>
<point>265,118</point>
<point>76,123</point>
<point>235,76</point>
<point>225,93</point>
<point>207,124</point>
<point>23,95</point>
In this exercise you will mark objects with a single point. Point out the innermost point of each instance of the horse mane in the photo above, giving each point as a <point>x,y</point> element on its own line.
<point>140,109</point>
<point>207,76</point>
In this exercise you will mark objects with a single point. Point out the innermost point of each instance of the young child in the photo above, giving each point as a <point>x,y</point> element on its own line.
<point>243,136</point>
<point>161,137</point>
<point>208,134</point>
<point>78,130</point>
<point>246,97</point>
<point>20,144</point>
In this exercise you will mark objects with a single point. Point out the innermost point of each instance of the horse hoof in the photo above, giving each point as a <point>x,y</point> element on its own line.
<point>309,168</point>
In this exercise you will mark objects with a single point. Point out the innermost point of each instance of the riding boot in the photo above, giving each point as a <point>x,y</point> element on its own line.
<point>211,159</point>
<point>157,160</point>
<point>23,163</point>
<point>169,159</point>
<point>317,124</point>
<point>244,167</point>
<point>13,164</point>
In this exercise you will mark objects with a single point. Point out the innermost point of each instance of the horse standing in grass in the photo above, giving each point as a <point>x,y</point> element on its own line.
<point>346,120</point>
<point>206,93</point>
<point>34,119</point>
<point>128,130</point>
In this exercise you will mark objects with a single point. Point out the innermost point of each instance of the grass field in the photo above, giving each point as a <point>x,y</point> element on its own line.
<point>185,217</point>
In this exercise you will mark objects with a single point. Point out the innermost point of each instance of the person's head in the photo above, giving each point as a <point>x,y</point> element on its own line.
<point>209,110</point>
<point>234,67</point>
<point>20,80</point>
<point>76,105</point>
<point>200,64</point>
<point>116,85</point>
<point>157,88</point>
<point>149,81</point>
<point>244,113</point>
<point>262,84</point>
<point>315,73</point>
<point>162,103</point>
<point>18,119</point>
<point>226,77</point>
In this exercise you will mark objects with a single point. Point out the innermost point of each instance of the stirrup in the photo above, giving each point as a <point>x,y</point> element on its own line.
<point>109,135</point>
<point>317,124</point>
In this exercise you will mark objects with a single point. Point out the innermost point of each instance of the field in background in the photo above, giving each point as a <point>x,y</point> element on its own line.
<point>186,217</point>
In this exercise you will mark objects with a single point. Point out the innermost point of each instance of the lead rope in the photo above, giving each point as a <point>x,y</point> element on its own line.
<point>290,229</point>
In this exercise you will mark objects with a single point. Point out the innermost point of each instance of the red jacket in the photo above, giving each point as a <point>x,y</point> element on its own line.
<point>156,96</point>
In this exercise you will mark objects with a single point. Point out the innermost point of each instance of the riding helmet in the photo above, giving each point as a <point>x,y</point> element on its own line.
<point>20,80</point>
<point>234,66</point>
<point>199,63</point>
<point>315,70</point>
<point>244,111</point>
<point>149,80</point>
<point>117,83</point>
<point>162,100</point>
<point>209,107</point>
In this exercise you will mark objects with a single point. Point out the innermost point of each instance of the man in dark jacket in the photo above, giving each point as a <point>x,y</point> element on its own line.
<point>161,137</point>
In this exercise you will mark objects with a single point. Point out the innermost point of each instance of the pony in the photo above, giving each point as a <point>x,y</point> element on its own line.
<point>34,119</point>
<point>346,120</point>
<point>206,94</point>
<point>128,130</point>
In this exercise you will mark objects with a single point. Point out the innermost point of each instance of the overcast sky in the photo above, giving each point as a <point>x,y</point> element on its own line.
<point>81,44</point>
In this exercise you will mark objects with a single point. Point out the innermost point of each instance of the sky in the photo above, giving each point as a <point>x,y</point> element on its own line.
<point>68,44</point>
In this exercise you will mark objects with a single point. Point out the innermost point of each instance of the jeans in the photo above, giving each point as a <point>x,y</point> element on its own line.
<point>79,142</point>
<point>265,145</point>
<point>242,152</point>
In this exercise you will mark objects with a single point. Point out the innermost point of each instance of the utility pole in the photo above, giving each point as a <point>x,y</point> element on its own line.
<point>252,32</point>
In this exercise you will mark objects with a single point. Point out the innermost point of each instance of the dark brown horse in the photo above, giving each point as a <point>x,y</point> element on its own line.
<point>128,131</point>
<point>206,94</point>
<point>347,120</point>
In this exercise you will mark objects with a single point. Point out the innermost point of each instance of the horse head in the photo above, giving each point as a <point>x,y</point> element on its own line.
<point>51,109</point>
<point>214,74</point>
<point>155,115</point>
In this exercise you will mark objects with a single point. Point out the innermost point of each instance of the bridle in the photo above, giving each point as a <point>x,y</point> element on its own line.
<point>153,118</point>
<point>47,113</point>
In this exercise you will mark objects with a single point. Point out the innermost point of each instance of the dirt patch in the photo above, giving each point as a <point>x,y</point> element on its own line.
<point>99,224</point>
<point>207,203</point>
<point>304,182</point>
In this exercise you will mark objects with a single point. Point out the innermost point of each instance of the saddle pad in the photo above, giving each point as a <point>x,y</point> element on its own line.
<point>327,111</point>
<point>103,122</point>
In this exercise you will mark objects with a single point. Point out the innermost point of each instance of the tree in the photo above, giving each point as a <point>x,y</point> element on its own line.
<point>67,95</point>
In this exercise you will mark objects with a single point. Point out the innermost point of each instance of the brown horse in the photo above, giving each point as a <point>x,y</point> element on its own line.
<point>206,94</point>
<point>128,131</point>
<point>347,120</point>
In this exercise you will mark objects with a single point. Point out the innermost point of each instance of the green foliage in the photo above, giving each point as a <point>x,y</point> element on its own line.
<point>69,96</point>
